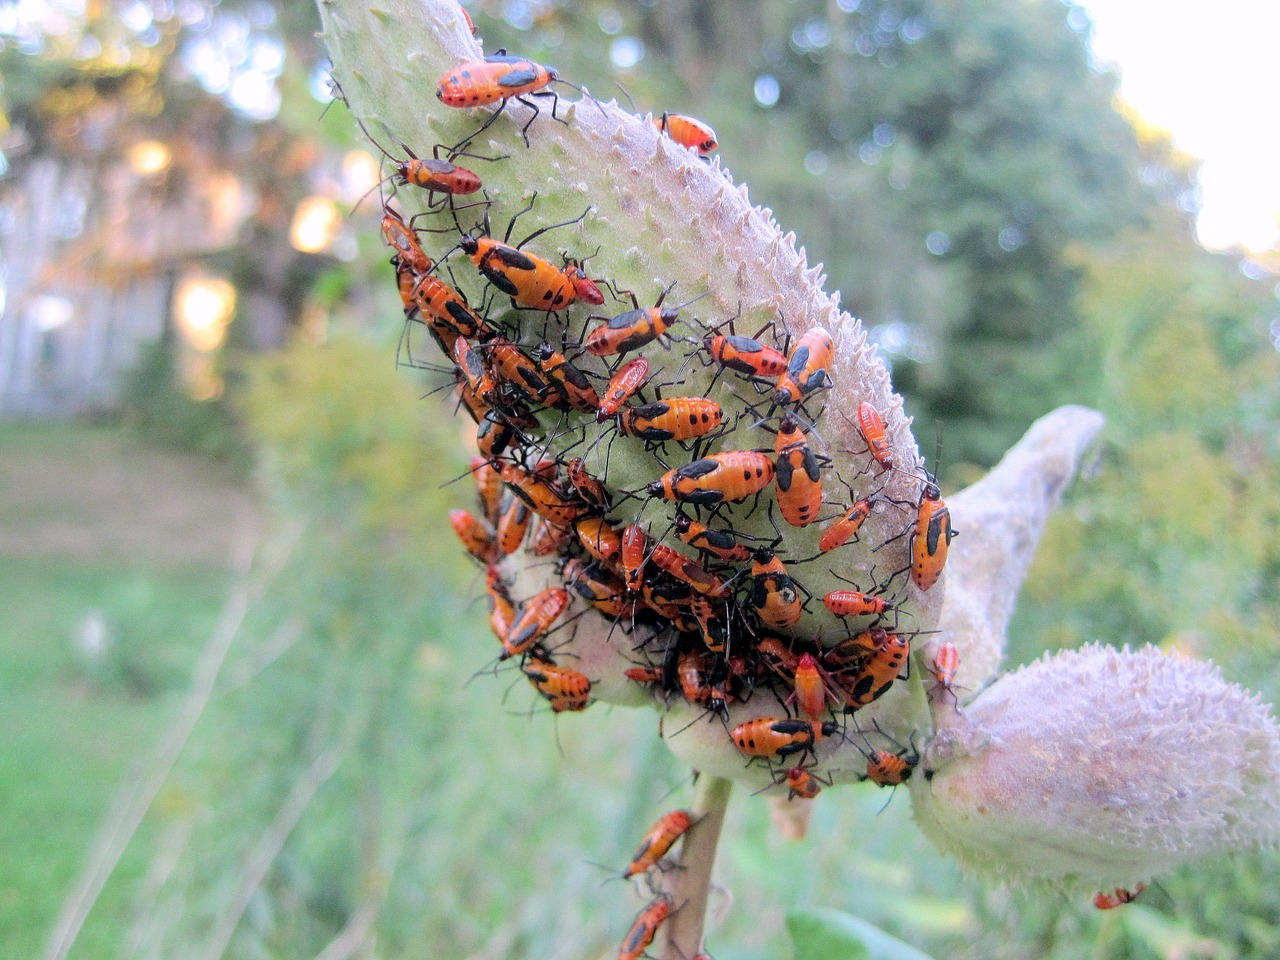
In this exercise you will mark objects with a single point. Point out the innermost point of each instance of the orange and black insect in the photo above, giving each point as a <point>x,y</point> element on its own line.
<point>780,737</point>
<point>433,175</point>
<point>687,571</point>
<point>625,381</point>
<point>583,285</point>
<point>946,661</point>
<point>811,691</point>
<point>694,673</point>
<point>533,619</point>
<point>853,603</point>
<point>721,477</point>
<point>931,539</point>
<point>803,784</point>
<point>600,539</point>
<point>1118,897</point>
<point>502,609</point>
<point>808,368</point>
<point>713,620</point>
<point>589,490</point>
<point>519,379</point>
<point>871,426</point>
<point>563,688</point>
<point>494,434</point>
<point>633,557</point>
<point>775,595</point>
<point>718,543</point>
<point>687,131</point>
<point>745,355</point>
<point>598,587</point>
<point>550,538</point>
<point>889,769</point>
<point>540,494</point>
<point>573,391</point>
<point>488,487</point>
<point>873,679</point>
<point>660,838</point>
<point>498,78</point>
<point>846,527</point>
<point>403,239</point>
<point>479,377</point>
<point>528,279</point>
<point>631,330</point>
<point>798,475</point>
<point>444,310</point>
<point>677,418</point>
<point>644,928</point>
<point>474,534</point>
<point>513,524</point>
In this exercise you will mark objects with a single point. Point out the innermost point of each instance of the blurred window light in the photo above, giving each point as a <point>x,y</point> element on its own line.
<point>767,90</point>
<point>149,157</point>
<point>626,52</point>
<point>48,312</point>
<point>610,22</point>
<point>203,307</point>
<point>316,222</point>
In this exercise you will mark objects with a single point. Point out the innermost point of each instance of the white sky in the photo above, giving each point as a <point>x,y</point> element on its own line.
<point>1209,72</point>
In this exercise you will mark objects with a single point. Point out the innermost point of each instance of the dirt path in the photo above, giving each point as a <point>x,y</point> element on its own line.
<point>100,494</point>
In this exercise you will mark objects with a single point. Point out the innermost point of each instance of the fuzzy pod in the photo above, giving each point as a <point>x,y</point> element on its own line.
<point>1095,768</point>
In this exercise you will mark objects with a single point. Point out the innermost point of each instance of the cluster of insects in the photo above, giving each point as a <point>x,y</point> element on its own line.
<point>710,612</point>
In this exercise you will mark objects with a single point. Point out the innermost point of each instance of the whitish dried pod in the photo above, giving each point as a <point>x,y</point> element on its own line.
<point>1096,768</point>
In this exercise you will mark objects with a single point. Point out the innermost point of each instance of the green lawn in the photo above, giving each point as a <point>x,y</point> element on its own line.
<point>75,723</point>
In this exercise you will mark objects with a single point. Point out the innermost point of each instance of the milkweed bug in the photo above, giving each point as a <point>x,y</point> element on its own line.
<point>687,571</point>
<point>713,621</point>
<point>474,534</point>
<point>645,927</point>
<point>519,379</point>
<point>1117,898</point>
<point>889,769</point>
<point>499,77</point>
<point>669,828</point>
<point>775,595</point>
<point>494,434</point>
<point>633,557</point>
<point>403,239</point>
<point>528,279</point>
<point>625,381</point>
<point>488,487</point>
<point>598,587</point>
<point>931,539</point>
<point>513,525</point>
<point>873,679</point>
<point>633,329</point>
<point>946,661</point>
<point>846,528</point>
<point>780,737</point>
<point>871,426</point>
<point>721,477</point>
<point>696,685</point>
<point>687,131</point>
<point>563,688</point>
<point>808,367</point>
<point>540,494</point>
<point>433,175</point>
<point>502,609</point>
<point>718,543</point>
<point>583,285</point>
<point>443,308</point>
<point>533,619</point>
<point>600,539</point>
<point>852,603</point>
<point>550,538</point>
<point>589,490</point>
<point>573,390</point>
<point>798,475</point>
<point>803,784</point>
<point>745,355</point>
<point>676,418</point>
<point>810,691</point>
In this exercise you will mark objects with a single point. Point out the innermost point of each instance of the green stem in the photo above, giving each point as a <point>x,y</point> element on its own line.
<point>692,876</point>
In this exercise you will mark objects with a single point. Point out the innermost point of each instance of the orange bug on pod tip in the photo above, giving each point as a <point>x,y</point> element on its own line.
<point>780,737</point>
<point>474,534</point>
<point>931,538</point>
<point>1118,897</point>
<point>669,828</point>
<point>888,769</point>
<point>871,426</point>
<point>498,78</point>
<point>946,661</point>
<point>808,367</point>
<point>687,131</point>
<point>631,330</point>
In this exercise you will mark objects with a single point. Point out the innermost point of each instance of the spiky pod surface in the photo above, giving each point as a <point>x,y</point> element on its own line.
<point>1096,768</point>
<point>658,215</point>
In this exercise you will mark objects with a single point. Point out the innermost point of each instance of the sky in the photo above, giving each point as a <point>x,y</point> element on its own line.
<point>1208,72</point>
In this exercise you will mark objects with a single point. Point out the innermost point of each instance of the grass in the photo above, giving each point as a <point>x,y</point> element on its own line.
<point>76,723</point>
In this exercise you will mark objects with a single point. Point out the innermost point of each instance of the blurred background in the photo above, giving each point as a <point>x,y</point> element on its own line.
<point>237,634</point>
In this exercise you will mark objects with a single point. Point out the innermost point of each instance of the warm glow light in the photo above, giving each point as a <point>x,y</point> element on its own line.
<point>1203,73</point>
<point>315,223</point>
<point>149,157</point>
<point>204,308</point>
<point>360,174</point>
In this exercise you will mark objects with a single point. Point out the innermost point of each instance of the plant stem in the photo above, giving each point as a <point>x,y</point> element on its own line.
<point>693,874</point>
